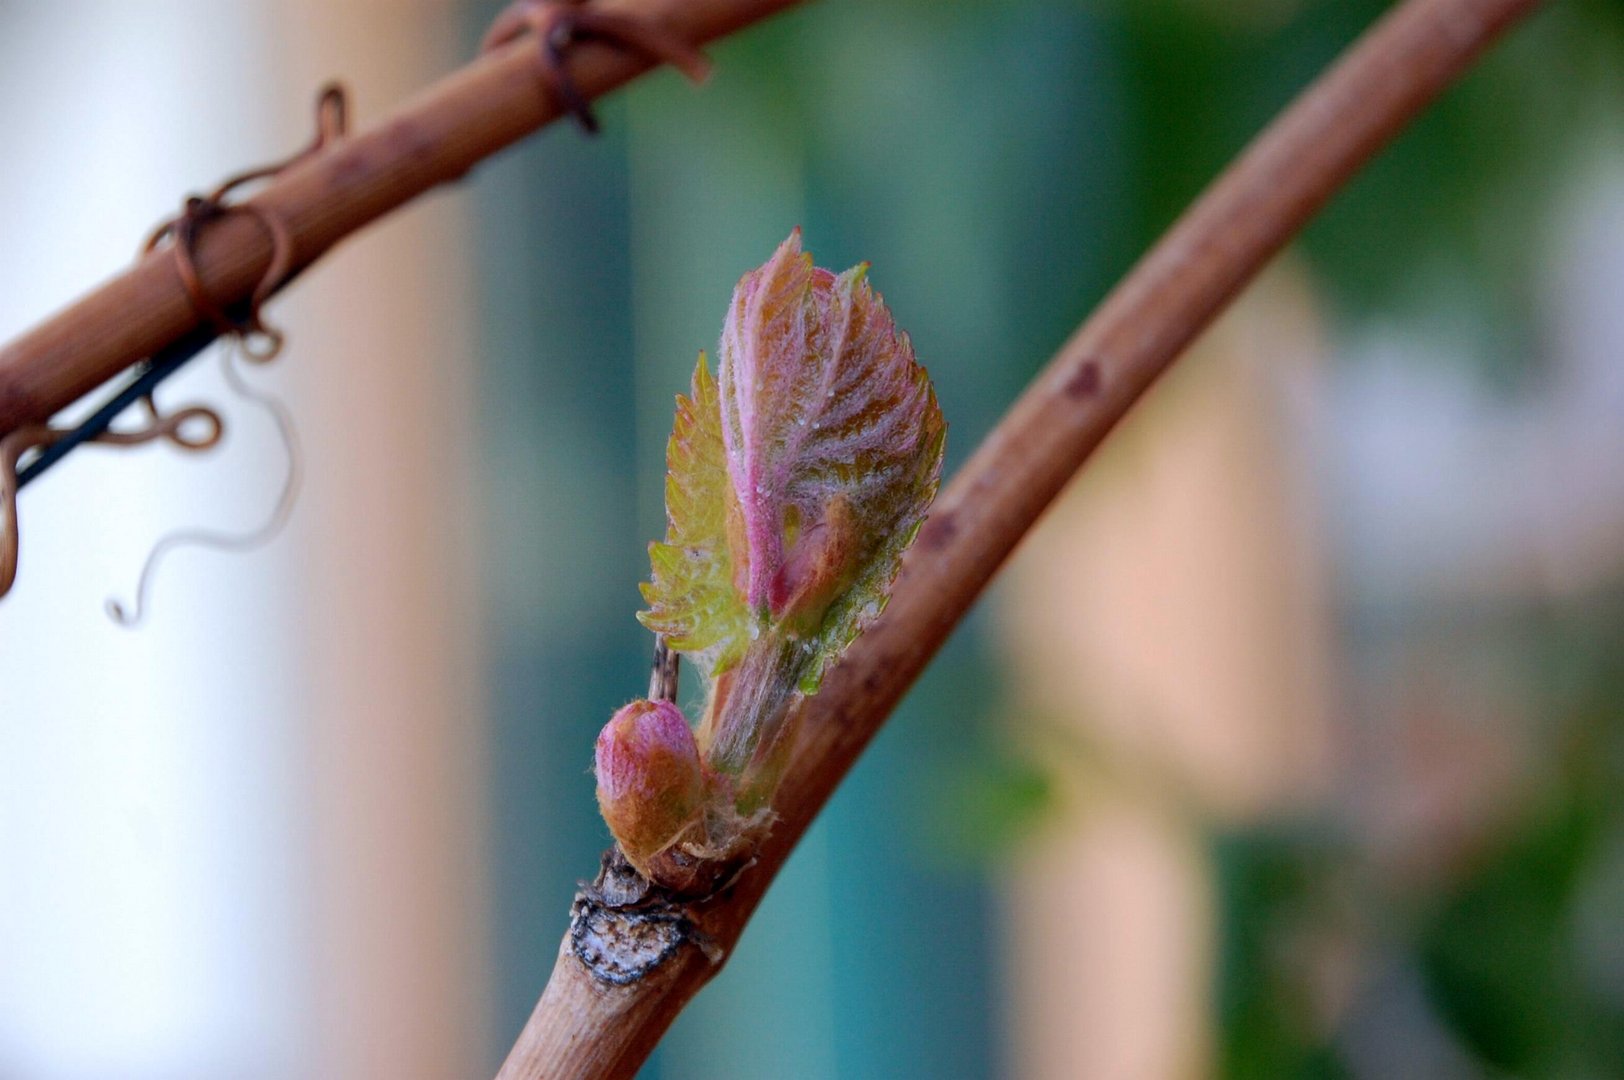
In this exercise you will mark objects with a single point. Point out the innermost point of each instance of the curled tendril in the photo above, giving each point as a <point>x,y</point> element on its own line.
<point>191,428</point>
<point>213,539</point>
<point>246,333</point>
<point>558,24</point>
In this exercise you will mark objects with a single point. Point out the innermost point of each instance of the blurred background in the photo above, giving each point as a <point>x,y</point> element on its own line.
<point>1291,744</point>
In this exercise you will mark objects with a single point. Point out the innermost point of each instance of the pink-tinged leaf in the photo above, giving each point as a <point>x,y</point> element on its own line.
<point>834,442</point>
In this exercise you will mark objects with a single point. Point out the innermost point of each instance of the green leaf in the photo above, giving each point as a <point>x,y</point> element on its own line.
<point>692,598</point>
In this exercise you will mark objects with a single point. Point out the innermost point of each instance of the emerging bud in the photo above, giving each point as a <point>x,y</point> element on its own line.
<point>651,786</point>
<point>817,569</point>
<point>796,478</point>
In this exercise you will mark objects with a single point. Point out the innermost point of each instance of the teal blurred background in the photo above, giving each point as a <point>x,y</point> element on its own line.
<point>1291,745</point>
<point>1001,164</point>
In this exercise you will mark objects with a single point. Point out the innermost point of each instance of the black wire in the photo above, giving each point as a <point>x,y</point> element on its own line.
<point>154,371</point>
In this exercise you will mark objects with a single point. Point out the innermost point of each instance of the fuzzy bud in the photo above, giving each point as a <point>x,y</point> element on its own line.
<point>817,569</point>
<point>651,786</point>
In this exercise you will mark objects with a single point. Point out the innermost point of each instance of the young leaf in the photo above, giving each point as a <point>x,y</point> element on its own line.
<point>692,599</point>
<point>834,443</point>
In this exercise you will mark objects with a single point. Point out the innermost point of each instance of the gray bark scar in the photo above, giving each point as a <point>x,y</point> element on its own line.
<point>622,928</point>
<point>620,946</point>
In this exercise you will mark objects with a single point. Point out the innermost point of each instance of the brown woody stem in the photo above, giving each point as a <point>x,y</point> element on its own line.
<point>465,118</point>
<point>585,1027</point>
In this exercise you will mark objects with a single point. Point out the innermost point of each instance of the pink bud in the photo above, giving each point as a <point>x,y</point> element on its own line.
<point>650,782</point>
<point>817,569</point>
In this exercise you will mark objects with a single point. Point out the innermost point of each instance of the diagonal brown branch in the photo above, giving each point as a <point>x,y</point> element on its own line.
<point>586,1028</point>
<point>438,137</point>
